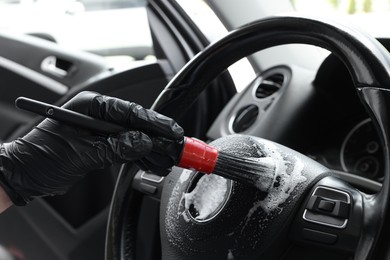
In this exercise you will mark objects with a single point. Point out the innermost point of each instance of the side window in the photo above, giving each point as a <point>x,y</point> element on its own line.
<point>115,29</point>
<point>91,5</point>
<point>212,28</point>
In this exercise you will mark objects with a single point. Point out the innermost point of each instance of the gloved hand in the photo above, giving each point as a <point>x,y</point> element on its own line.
<point>165,153</point>
<point>53,156</point>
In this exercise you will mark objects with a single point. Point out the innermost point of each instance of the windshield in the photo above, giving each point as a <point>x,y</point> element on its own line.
<point>370,15</point>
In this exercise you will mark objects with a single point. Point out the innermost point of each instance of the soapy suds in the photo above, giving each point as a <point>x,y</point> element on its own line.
<point>207,196</point>
<point>177,210</point>
<point>288,174</point>
<point>185,217</point>
<point>230,255</point>
<point>258,172</point>
<point>287,182</point>
<point>180,210</point>
<point>185,175</point>
<point>267,178</point>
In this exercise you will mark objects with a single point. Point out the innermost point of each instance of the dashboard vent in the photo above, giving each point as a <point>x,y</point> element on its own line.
<point>245,118</point>
<point>269,85</point>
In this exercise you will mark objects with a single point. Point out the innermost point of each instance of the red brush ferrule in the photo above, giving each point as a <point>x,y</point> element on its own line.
<point>198,155</point>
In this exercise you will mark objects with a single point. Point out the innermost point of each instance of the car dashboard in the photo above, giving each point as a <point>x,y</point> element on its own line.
<point>317,113</point>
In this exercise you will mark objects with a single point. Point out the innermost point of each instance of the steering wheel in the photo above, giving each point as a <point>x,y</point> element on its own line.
<point>306,206</point>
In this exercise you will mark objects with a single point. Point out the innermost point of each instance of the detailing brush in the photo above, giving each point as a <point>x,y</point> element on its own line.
<point>190,153</point>
<point>258,172</point>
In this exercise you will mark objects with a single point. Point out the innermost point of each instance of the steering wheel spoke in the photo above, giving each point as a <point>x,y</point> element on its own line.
<point>330,217</point>
<point>149,184</point>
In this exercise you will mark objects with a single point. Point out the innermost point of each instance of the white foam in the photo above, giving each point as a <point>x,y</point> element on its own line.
<point>230,255</point>
<point>176,211</point>
<point>185,217</point>
<point>185,175</point>
<point>267,177</point>
<point>289,172</point>
<point>207,196</point>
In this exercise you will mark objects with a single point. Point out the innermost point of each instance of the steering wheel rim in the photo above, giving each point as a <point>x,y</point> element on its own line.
<point>367,62</point>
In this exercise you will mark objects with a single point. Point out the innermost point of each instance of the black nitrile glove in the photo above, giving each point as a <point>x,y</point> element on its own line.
<point>53,156</point>
<point>165,154</point>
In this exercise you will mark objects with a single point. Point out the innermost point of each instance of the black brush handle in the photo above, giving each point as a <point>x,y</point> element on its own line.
<point>68,116</point>
<point>188,153</point>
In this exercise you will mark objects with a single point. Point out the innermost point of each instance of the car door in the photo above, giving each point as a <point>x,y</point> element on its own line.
<point>71,226</point>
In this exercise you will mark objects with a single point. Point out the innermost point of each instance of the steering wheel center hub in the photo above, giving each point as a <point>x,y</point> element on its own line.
<point>207,213</point>
<point>206,197</point>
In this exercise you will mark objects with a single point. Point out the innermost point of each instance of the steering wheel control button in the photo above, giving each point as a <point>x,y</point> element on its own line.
<point>245,118</point>
<point>335,208</point>
<point>147,188</point>
<point>329,207</point>
<point>151,177</point>
<point>319,236</point>
<point>148,184</point>
<point>326,205</point>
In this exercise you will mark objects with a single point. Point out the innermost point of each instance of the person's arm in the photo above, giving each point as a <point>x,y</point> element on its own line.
<point>53,156</point>
<point>5,201</point>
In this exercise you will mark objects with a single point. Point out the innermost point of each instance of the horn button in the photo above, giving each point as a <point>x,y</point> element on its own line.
<point>206,197</point>
<point>207,216</point>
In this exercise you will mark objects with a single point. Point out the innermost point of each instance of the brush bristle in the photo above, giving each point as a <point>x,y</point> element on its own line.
<point>258,172</point>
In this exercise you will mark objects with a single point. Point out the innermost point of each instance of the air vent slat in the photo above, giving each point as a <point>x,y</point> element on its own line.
<point>245,118</point>
<point>269,85</point>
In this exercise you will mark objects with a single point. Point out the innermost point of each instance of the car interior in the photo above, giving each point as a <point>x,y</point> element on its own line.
<point>317,89</point>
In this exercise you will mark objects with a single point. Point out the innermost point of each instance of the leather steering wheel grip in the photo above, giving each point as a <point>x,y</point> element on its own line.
<point>366,59</point>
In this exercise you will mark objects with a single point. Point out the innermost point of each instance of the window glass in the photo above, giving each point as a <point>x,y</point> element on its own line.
<point>91,5</point>
<point>370,15</point>
<point>209,24</point>
<point>116,29</point>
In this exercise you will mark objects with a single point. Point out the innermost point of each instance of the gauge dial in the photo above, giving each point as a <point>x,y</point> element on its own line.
<point>361,151</point>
